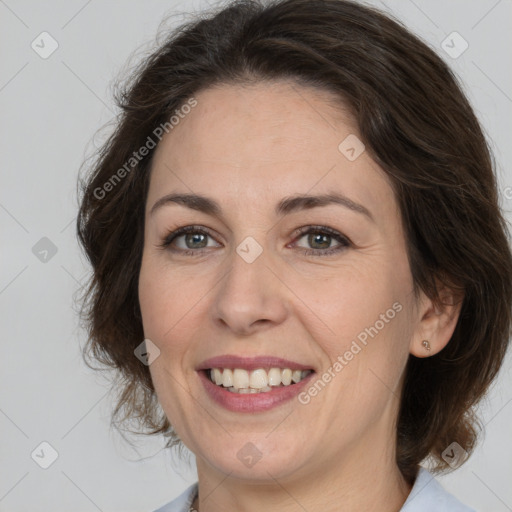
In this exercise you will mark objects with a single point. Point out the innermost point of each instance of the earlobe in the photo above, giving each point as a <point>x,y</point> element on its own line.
<point>422,349</point>
<point>436,324</point>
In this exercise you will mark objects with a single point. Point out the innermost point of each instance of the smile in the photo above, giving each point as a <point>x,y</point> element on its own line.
<point>239,380</point>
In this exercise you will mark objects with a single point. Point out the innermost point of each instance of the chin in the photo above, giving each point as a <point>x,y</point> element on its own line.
<point>254,461</point>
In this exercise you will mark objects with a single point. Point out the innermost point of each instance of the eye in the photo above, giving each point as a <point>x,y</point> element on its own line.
<point>194,238</point>
<point>320,238</point>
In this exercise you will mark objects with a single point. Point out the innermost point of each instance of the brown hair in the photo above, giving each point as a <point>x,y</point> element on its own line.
<point>417,125</point>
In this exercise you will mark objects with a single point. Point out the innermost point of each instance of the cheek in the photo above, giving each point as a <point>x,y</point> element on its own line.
<point>353,297</point>
<point>166,297</point>
<point>366,320</point>
<point>164,317</point>
<point>161,312</point>
<point>365,367</point>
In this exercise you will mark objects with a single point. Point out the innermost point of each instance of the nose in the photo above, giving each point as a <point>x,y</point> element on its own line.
<point>250,297</point>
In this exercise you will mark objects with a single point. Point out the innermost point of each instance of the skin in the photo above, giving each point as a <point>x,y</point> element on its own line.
<point>248,147</point>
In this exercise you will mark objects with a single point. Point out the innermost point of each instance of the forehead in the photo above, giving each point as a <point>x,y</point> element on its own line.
<point>263,141</point>
<point>273,115</point>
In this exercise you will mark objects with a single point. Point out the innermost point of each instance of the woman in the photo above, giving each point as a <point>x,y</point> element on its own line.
<point>302,376</point>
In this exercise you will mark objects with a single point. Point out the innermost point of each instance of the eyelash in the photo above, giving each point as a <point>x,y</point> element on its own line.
<point>306,230</point>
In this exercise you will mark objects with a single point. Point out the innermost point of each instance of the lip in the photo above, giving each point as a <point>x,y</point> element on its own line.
<point>250,363</point>
<point>257,402</point>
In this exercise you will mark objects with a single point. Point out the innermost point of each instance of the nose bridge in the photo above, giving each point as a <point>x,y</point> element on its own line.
<point>249,292</point>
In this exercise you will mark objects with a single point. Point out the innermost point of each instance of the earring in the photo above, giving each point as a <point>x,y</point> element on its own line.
<point>426,344</point>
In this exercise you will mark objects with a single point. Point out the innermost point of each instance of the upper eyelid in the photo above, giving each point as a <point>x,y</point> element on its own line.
<point>185,230</point>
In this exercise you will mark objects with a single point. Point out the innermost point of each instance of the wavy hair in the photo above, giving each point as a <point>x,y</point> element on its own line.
<point>416,124</point>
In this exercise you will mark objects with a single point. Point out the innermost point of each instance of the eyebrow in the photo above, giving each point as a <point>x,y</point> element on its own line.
<point>284,207</point>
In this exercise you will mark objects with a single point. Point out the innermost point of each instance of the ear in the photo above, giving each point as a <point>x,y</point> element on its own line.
<point>435,323</point>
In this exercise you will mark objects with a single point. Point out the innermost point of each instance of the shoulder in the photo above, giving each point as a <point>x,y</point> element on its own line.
<point>427,494</point>
<point>182,502</point>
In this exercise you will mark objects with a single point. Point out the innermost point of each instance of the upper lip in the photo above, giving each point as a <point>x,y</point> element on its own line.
<point>250,363</point>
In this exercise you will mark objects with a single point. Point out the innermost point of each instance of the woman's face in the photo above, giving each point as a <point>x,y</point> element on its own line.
<point>248,281</point>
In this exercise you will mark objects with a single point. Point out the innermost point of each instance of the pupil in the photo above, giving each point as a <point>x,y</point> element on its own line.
<point>315,237</point>
<point>195,236</point>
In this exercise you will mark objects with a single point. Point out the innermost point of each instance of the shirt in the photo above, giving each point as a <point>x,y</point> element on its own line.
<point>427,495</point>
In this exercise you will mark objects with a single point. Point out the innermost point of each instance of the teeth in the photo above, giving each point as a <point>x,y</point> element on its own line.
<point>241,381</point>
<point>274,377</point>
<point>258,379</point>
<point>286,376</point>
<point>217,376</point>
<point>227,378</point>
<point>240,378</point>
<point>296,375</point>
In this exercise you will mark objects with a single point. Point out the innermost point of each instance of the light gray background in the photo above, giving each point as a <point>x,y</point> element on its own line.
<point>50,110</point>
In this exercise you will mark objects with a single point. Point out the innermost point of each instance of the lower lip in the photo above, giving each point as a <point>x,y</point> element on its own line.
<point>255,402</point>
